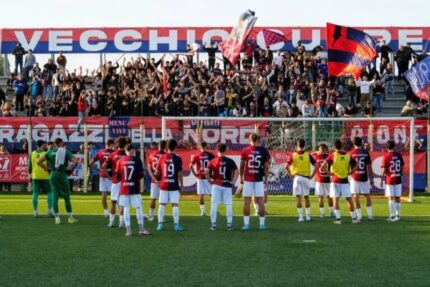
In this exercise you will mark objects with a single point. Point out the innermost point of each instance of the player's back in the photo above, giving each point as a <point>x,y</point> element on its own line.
<point>129,170</point>
<point>201,160</point>
<point>153,160</point>
<point>361,158</point>
<point>393,164</point>
<point>320,175</point>
<point>169,165</point>
<point>101,157</point>
<point>113,159</point>
<point>255,157</point>
<point>222,169</point>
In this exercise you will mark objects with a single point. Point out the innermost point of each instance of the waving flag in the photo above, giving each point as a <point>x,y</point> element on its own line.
<point>233,45</point>
<point>349,50</point>
<point>271,37</point>
<point>419,78</point>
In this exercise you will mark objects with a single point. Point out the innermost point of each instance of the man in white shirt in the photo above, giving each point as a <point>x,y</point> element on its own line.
<point>364,90</point>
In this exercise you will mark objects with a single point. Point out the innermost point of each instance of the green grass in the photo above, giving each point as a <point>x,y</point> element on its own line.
<point>35,252</point>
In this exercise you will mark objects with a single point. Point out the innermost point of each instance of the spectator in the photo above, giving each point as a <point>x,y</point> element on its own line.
<point>385,51</point>
<point>20,86</point>
<point>402,58</point>
<point>365,86</point>
<point>352,92</point>
<point>378,92</point>
<point>29,62</point>
<point>407,110</point>
<point>19,53</point>
<point>421,109</point>
<point>211,50</point>
<point>308,109</point>
<point>350,111</point>
<point>61,61</point>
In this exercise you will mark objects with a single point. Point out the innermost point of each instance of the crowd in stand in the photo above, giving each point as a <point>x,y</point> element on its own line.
<point>262,84</point>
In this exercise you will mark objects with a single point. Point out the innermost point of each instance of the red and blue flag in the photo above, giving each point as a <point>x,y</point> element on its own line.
<point>349,50</point>
<point>419,78</point>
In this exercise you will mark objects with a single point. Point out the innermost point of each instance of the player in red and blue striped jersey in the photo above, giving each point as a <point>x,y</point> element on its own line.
<point>322,180</point>
<point>111,161</point>
<point>254,174</point>
<point>392,171</point>
<point>129,170</point>
<point>222,173</point>
<point>171,184</point>
<point>105,183</point>
<point>155,186</point>
<point>201,161</point>
<point>361,177</point>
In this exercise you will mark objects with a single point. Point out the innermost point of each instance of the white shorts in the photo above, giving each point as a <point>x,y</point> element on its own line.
<point>133,200</point>
<point>221,194</point>
<point>251,188</point>
<point>300,185</point>
<point>203,186</point>
<point>155,190</point>
<point>360,187</point>
<point>322,188</point>
<point>167,196</point>
<point>105,184</point>
<point>393,190</point>
<point>339,190</point>
<point>115,191</point>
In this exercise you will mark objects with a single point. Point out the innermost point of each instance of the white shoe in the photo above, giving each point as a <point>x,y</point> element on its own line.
<point>300,220</point>
<point>308,218</point>
<point>121,225</point>
<point>111,224</point>
<point>150,218</point>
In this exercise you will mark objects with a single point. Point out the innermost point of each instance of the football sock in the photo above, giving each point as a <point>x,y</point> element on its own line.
<point>300,212</point>
<point>262,220</point>
<point>175,211</point>
<point>308,211</point>
<point>121,219</point>
<point>353,214</point>
<point>161,210</point>
<point>322,210</point>
<point>337,213</point>
<point>369,211</point>
<point>126,216</point>
<point>202,208</point>
<point>70,215</point>
<point>139,215</point>
<point>391,208</point>
<point>214,210</point>
<point>246,220</point>
<point>229,209</point>
<point>358,212</point>
<point>111,218</point>
<point>398,205</point>
<point>151,212</point>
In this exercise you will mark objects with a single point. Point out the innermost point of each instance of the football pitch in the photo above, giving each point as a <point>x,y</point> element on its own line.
<point>36,252</point>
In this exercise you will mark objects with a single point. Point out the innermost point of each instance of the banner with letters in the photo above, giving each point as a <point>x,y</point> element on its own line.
<point>175,39</point>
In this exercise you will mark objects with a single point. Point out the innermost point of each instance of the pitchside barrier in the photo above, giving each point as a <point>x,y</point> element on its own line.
<point>279,136</point>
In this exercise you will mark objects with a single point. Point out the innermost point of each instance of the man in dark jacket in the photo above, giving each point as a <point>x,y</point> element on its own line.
<point>19,53</point>
<point>20,87</point>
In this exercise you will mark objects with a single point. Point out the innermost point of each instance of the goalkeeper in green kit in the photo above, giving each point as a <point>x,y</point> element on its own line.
<point>57,160</point>
<point>40,179</point>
